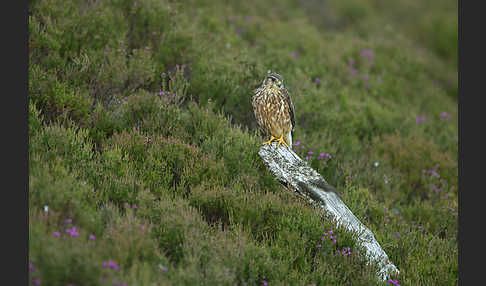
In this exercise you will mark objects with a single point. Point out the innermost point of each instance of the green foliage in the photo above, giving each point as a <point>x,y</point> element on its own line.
<point>141,131</point>
<point>57,100</point>
<point>412,164</point>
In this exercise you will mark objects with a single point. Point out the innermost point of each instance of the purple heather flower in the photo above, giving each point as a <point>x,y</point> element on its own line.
<point>36,281</point>
<point>317,80</point>
<point>307,157</point>
<point>134,206</point>
<point>330,231</point>
<point>31,267</point>
<point>334,241</point>
<point>420,227</point>
<point>127,205</point>
<point>294,54</point>
<point>346,251</point>
<point>351,62</point>
<point>321,155</point>
<point>310,153</point>
<point>135,4</point>
<point>445,115</point>
<point>163,74</point>
<point>354,71</point>
<point>265,283</point>
<point>92,237</point>
<point>368,53</point>
<point>328,155</point>
<point>68,220</point>
<point>107,50</point>
<point>419,119</point>
<point>318,246</point>
<point>394,282</point>
<point>165,99</point>
<point>365,52</point>
<point>111,264</point>
<point>297,143</point>
<point>57,233</point>
<point>72,231</point>
<point>161,93</point>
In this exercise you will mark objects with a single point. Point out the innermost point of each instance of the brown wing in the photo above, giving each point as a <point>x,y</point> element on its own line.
<point>256,110</point>
<point>291,109</point>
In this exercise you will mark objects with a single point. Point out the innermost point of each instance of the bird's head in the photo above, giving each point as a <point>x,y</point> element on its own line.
<point>274,81</point>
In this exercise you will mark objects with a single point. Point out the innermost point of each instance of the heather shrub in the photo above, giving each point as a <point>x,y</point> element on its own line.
<point>57,100</point>
<point>418,160</point>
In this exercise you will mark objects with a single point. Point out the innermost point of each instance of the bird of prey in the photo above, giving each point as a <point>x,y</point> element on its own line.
<point>274,110</point>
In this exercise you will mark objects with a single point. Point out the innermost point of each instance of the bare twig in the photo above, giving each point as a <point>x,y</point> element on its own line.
<point>292,171</point>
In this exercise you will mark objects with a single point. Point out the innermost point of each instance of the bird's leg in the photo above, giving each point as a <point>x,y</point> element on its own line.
<point>269,141</point>
<point>280,141</point>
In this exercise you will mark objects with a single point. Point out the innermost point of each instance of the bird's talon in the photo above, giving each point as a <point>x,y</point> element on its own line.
<point>269,141</point>
<point>281,141</point>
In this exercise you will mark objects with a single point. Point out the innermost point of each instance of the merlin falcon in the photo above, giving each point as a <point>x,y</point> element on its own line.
<point>274,110</point>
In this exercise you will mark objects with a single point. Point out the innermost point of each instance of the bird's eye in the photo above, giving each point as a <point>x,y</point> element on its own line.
<point>279,84</point>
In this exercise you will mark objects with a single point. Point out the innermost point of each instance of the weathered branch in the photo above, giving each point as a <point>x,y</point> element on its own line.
<point>292,171</point>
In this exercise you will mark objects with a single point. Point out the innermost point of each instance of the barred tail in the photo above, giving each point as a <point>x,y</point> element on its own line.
<point>288,139</point>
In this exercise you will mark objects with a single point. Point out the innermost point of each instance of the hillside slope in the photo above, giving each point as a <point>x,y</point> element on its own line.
<point>143,164</point>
